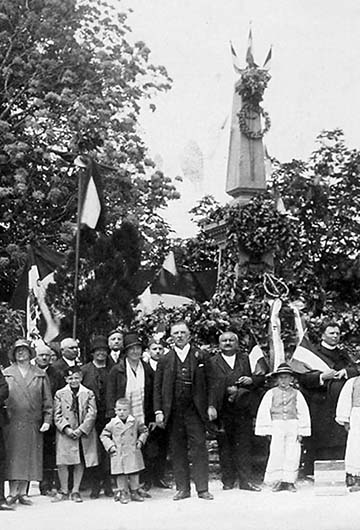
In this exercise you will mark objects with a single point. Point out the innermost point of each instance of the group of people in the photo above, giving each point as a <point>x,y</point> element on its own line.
<point>122,413</point>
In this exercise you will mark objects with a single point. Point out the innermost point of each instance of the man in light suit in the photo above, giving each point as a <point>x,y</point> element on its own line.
<point>180,403</point>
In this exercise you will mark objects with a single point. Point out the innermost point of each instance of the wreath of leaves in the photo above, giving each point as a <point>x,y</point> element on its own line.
<point>244,116</point>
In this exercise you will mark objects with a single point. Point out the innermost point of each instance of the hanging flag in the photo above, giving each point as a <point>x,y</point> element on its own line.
<point>267,62</point>
<point>257,359</point>
<point>235,59</point>
<point>30,292</point>
<point>306,358</point>
<point>249,53</point>
<point>91,200</point>
<point>268,164</point>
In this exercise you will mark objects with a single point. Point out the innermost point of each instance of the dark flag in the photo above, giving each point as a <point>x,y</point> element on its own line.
<point>30,292</point>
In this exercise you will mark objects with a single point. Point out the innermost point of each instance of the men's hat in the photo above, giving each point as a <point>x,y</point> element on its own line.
<point>42,349</point>
<point>131,339</point>
<point>98,342</point>
<point>283,368</point>
<point>72,370</point>
<point>113,331</point>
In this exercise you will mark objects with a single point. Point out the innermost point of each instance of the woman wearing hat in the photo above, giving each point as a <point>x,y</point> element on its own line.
<point>132,378</point>
<point>29,407</point>
<point>283,415</point>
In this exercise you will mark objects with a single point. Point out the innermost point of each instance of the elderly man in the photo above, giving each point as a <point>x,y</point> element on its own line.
<point>180,402</point>
<point>95,377</point>
<point>322,372</point>
<point>4,393</point>
<point>116,344</point>
<point>69,350</point>
<point>231,387</point>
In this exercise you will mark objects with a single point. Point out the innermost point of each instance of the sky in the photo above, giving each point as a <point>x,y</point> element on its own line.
<point>315,81</point>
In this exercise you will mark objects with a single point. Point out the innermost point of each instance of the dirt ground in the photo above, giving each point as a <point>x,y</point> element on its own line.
<point>230,510</point>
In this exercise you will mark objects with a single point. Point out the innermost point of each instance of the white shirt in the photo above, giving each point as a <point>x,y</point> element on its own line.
<point>153,364</point>
<point>115,355</point>
<point>182,353</point>
<point>230,359</point>
<point>69,362</point>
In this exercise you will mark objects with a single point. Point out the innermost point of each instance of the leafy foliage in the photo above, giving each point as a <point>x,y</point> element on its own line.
<point>313,247</point>
<point>71,83</point>
<point>108,265</point>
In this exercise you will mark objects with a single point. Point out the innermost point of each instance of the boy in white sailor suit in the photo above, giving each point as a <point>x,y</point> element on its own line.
<point>348,415</point>
<point>284,416</point>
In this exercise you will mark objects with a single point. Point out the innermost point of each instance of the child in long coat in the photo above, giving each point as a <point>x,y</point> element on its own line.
<point>123,437</point>
<point>76,440</point>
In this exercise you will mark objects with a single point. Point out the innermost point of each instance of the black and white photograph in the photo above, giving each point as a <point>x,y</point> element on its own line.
<point>179,265</point>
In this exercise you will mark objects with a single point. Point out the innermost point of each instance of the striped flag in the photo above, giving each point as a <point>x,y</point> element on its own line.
<point>249,53</point>
<point>267,62</point>
<point>235,59</point>
<point>30,292</point>
<point>257,360</point>
<point>305,358</point>
<point>91,201</point>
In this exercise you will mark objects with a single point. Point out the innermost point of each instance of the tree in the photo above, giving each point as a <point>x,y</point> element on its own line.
<point>107,282</point>
<point>314,244</point>
<point>71,83</point>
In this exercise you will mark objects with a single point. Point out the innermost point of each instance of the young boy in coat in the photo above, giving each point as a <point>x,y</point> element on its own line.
<point>76,441</point>
<point>284,416</point>
<point>123,437</point>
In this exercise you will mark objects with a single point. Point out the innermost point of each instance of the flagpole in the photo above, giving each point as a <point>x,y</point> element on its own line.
<point>77,254</point>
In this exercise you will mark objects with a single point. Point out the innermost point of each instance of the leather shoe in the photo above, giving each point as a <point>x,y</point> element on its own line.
<point>290,486</point>
<point>135,496</point>
<point>181,494</point>
<point>161,483</point>
<point>25,500</point>
<point>5,507</point>
<point>76,497</point>
<point>278,486</point>
<point>248,486</point>
<point>143,493</point>
<point>206,495</point>
<point>228,486</point>
<point>11,499</point>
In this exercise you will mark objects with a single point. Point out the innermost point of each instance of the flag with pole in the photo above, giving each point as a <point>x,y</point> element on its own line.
<point>91,198</point>
<point>30,292</point>
<point>306,358</point>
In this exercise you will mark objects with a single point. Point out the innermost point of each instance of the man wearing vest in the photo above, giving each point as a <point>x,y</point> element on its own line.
<point>231,392</point>
<point>180,402</point>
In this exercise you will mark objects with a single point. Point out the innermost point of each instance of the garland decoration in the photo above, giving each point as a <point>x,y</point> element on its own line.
<point>245,114</point>
<point>251,89</point>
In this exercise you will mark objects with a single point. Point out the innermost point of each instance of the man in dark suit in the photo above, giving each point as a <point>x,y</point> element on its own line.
<point>4,392</point>
<point>95,376</point>
<point>180,402</point>
<point>231,391</point>
<point>69,349</point>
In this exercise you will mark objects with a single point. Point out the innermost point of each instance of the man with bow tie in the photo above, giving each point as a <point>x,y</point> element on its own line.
<point>180,402</point>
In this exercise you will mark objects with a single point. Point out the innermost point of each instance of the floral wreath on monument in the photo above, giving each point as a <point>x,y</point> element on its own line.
<point>251,88</point>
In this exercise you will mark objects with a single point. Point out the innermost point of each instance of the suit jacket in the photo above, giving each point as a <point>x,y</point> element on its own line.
<point>218,377</point>
<point>4,393</point>
<point>56,373</point>
<point>92,380</point>
<point>164,385</point>
<point>116,388</point>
